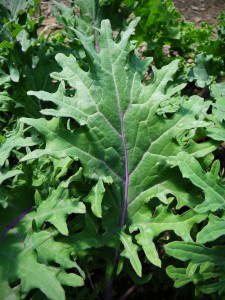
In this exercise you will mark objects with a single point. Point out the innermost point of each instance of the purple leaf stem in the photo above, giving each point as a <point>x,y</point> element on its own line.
<point>96,37</point>
<point>126,180</point>
<point>109,285</point>
<point>126,177</point>
<point>13,223</point>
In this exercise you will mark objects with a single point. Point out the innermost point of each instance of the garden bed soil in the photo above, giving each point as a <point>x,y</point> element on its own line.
<point>198,11</point>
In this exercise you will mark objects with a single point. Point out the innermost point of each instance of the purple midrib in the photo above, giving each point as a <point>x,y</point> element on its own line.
<point>123,138</point>
<point>95,36</point>
<point>109,287</point>
<point>126,180</point>
<point>14,222</point>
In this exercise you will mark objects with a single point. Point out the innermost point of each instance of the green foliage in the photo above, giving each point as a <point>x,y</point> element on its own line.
<point>161,25</point>
<point>206,70</point>
<point>159,19</point>
<point>205,268</point>
<point>106,173</point>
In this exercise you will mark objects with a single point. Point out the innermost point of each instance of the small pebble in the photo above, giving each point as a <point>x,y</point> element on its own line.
<point>197,19</point>
<point>194,7</point>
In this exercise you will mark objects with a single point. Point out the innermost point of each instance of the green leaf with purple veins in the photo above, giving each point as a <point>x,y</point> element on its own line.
<point>122,134</point>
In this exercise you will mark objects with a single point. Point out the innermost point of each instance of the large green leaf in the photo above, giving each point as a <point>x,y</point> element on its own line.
<point>130,252</point>
<point>86,16</point>
<point>196,253</point>
<point>213,230</point>
<point>27,251</point>
<point>205,268</point>
<point>58,252</point>
<point>209,182</point>
<point>6,174</point>
<point>181,278</point>
<point>125,132</point>
<point>95,198</point>
<point>218,93</point>
<point>56,208</point>
<point>218,131</point>
<point>14,7</point>
<point>16,140</point>
<point>19,260</point>
<point>109,138</point>
<point>164,220</point>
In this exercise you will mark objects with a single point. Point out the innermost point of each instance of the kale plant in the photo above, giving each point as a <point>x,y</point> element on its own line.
<point>106,173</point>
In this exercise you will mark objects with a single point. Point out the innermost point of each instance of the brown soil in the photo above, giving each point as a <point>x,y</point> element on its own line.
<point>49,24</point>
<point>198,11</point>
